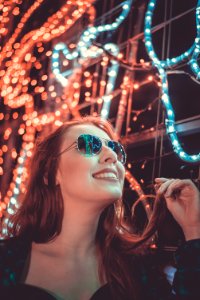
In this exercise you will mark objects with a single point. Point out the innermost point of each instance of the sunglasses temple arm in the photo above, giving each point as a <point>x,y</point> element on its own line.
<point>65,150</point>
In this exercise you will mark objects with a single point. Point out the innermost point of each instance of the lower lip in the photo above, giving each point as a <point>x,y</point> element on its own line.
<point>107,179</point>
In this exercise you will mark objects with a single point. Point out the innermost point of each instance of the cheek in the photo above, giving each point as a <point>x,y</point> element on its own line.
<point>77,182</point>
<point>76,172</point>
<point>122,171</point>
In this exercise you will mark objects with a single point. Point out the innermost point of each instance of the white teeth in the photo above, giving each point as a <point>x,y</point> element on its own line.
<point>105,175</point>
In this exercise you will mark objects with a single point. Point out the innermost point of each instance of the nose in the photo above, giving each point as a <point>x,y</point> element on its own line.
<point>107,155</point>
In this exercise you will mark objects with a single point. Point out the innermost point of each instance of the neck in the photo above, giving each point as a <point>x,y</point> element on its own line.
<point>77,237</point>
<point>79,230</point>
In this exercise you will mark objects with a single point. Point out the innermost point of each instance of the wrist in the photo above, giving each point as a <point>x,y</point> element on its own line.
<point>192,233</point>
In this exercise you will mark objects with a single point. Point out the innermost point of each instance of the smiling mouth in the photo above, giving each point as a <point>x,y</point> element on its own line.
<point>106,176</point>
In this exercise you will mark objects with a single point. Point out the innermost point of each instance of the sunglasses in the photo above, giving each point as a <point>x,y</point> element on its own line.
<point>90,145</point>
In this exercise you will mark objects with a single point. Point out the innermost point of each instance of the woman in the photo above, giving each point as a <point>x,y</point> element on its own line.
<point>71,237</point>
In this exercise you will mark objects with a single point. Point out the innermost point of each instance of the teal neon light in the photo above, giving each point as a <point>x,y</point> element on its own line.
<point>193,62</point>
<point>162,66</point>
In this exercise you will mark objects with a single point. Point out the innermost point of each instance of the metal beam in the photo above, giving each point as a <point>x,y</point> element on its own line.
<point>184,128</point>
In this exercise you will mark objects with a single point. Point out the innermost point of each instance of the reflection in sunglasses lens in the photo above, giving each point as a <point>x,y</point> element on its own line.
<point>90,145</point>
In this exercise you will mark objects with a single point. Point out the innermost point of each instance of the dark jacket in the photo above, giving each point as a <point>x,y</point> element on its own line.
<point>15,253</point>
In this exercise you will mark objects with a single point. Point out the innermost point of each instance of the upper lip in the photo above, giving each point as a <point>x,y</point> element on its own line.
<point>106,170</point>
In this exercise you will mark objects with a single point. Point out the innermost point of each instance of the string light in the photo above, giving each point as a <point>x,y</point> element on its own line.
<point>86,50</point>
<point>162,66</point>
<point>11,42</point>
<point>44,34</point>
<point>193,61</point>
<point>147,108</point>
<point>112,75</point>
<point>85,44</point>
<point>15,79</point>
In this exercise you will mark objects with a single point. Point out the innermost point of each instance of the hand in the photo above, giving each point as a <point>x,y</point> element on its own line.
<point>183,201</point>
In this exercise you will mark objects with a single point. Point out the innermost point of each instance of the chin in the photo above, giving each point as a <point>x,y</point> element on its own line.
<point>110,197</point>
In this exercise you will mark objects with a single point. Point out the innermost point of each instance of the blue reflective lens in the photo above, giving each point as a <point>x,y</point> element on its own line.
<point>90,145</point>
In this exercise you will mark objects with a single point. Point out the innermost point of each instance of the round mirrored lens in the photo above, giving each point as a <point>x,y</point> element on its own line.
<point>118,149</point>
<point>89,144</point>
<point>97,144</point>
<point>81,144</point>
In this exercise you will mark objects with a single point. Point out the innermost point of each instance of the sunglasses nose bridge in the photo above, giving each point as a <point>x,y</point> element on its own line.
<point>107,153</point>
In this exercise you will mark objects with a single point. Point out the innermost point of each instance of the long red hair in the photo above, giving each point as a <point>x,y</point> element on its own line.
<point>41,212</point>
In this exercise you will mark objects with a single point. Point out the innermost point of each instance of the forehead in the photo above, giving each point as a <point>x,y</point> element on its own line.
<point>79,129</point>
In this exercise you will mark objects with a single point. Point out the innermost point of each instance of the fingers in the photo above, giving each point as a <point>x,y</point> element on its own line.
<point>161,179</point>
<point>164,186</point>
<point>171,187</point>
<point>174,188</point>
<point>158,182</point>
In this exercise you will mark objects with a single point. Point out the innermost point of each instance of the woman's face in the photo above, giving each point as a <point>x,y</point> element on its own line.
<point>76,172</point>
